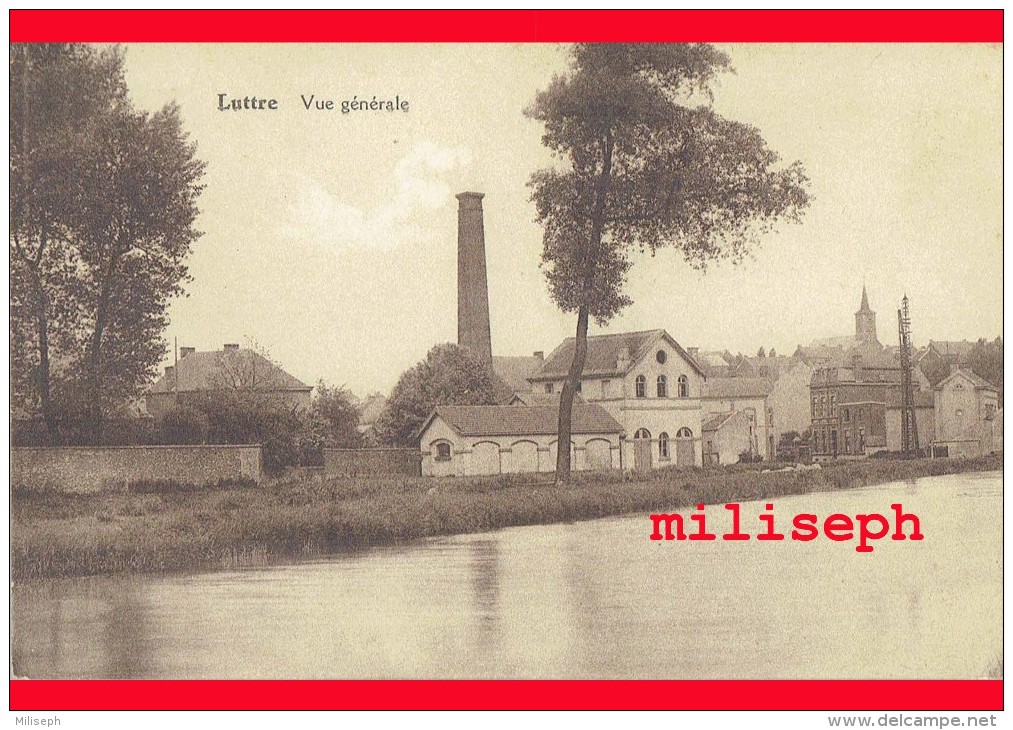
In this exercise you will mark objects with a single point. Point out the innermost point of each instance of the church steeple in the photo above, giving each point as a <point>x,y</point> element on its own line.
<point>865,322</point>
<point>865,301</point>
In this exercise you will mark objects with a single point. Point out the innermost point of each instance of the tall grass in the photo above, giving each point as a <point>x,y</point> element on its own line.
<point>57,534</point>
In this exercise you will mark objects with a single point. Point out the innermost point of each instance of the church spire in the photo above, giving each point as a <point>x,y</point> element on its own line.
<point>865,322</point>
<point>865,301</point>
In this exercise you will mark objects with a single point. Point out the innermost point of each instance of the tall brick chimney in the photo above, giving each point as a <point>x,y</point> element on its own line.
<point>473,329</point>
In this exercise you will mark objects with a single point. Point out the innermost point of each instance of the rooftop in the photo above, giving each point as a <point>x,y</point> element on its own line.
<point>523,420</point>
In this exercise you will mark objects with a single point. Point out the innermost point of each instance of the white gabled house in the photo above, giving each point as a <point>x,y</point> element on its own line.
<point>648,383</point>
<point>474,440</point>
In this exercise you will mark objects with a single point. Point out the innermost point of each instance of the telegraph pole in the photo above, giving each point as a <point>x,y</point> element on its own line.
<point>908,422</point>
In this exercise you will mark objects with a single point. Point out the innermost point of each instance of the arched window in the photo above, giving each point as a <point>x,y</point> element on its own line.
<point>641,386</point>
<point>443,451</point>
<point>642,433</point>
<point>662,386</point>
<point>684,433</point>
<point>663,445</point>
<point>683,386</point>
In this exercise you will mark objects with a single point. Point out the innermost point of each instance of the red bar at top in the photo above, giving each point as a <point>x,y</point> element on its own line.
<point>842,695</point>
<point>721,26</point>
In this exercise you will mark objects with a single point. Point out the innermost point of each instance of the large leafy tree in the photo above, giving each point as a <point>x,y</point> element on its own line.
<point>449,376</point>
<point>103,206</point>
<point>646,163</point>
<point>59,95</point>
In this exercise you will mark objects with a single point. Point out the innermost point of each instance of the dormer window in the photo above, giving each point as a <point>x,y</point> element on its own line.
<point>662,386</point>
<point>641,386</point>
<point>661,357</point>
<point>683,386</point>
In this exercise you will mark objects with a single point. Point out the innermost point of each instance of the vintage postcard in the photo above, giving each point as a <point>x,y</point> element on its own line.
<point>296,330</point>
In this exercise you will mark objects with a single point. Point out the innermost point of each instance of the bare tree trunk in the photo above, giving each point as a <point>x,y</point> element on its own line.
<point>43,373</point>
<point>95,356</point>
<point>591,255</point>
<point>566,398</point>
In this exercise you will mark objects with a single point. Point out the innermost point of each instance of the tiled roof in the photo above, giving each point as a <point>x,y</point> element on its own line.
<point>540,399</point>
<point>524,420</point>
<point>515,371</point>
<point>738,387</point>
<point>240,368</point>
<point>604,353</point>
<point>951,349</point>
<point>979,382</point>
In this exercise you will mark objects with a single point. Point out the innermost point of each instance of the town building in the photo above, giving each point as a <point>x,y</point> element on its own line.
<point>232,369</point>
<point>967,415</point>
<point>477,440</point>
<point>855,396</point>
<point>748,396</point>
<point>941,357</point>
<point>726,437</point>
<point>788,410</point>
<point>648,383</point>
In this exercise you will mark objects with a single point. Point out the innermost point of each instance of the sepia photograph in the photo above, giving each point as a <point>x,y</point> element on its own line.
<point>297,329</point>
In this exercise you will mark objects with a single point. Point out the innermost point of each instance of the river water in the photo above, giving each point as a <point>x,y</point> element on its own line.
<point>591,599</point>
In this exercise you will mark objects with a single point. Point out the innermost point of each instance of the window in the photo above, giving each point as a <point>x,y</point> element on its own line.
<point>641,386</point>
<point>605,388</point>
<point>770,416</point>
<point>663,445</point>
<point>833,404</point>
<point>443,451</point>
<point>642,433</point>
<point>549,387</point>
<point>847,415</point>
<point>684,433</point>
<point>661,357</point>
<point>580,385</point>
<point>815,401</point>
<point>683,386</point>
<point>960,413</point>
<point>662,386</point>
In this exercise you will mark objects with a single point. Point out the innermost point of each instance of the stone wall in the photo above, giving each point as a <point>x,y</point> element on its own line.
<point>115,468</point>
<point>372,462</point>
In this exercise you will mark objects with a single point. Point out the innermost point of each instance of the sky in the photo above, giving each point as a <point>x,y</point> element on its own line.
<point>330,239</point>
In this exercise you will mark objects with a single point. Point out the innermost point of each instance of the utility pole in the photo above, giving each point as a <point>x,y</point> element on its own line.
<point>908,422</point>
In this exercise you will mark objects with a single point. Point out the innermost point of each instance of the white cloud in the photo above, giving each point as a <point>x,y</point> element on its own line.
<point>421,186</point>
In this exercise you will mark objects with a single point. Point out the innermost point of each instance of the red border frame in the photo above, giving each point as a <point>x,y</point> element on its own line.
<point>543,26</point>
<point>507,26</point>
<point>845,695</point>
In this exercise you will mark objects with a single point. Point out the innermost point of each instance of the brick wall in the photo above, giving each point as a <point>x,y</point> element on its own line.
<point>113,468</point>
<point>373,462</point>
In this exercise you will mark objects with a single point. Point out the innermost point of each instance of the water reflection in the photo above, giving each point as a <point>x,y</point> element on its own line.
<point>592,599</point>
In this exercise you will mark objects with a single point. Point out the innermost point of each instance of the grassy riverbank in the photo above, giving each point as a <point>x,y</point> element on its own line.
<point>55,535</point>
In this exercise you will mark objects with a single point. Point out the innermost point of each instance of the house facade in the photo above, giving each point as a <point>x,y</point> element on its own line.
<point>648,383</point>
<point>967,415</point>
<point>510,439</point>
<point>726,436</point>
<point>747,396</point>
